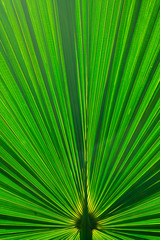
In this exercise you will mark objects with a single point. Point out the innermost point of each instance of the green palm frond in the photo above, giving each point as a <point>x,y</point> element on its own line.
<point>80,119</point>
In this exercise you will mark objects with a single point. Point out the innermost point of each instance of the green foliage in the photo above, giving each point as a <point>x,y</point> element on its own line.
<point>80,109</point>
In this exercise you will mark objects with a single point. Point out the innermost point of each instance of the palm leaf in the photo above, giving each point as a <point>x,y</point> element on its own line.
<point>80,119</point>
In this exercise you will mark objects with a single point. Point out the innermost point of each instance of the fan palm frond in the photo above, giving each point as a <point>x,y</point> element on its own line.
<point>80,119</point>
